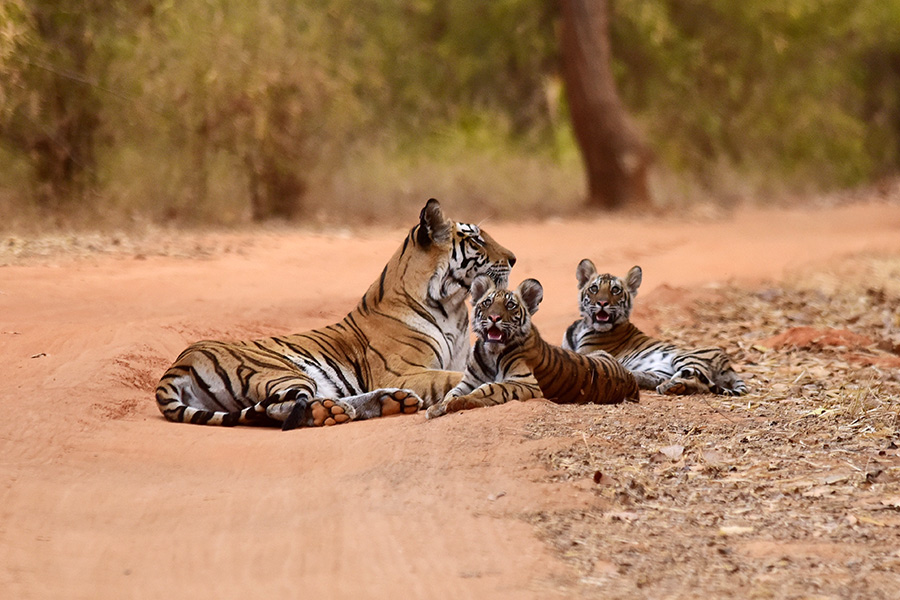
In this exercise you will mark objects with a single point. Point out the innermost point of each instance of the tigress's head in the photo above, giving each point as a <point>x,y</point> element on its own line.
<point>462,252</point>
<point>606,300</point>
<point>501,316</point>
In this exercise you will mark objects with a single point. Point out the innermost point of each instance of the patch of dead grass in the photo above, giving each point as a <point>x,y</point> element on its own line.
<point>790,491</point>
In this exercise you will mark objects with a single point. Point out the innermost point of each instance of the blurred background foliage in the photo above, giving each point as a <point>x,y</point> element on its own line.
<point>221,111</point>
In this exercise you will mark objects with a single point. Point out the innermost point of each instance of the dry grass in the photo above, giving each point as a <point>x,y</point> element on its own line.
<point>21,249</point>
<point>792,491</point>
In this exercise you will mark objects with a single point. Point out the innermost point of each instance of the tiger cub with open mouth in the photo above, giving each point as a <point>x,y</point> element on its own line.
<point>606,302</point>
<point>510,360</point>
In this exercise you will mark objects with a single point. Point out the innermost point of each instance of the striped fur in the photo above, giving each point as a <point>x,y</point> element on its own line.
<point>402,347</point>
<point>606,302</point>
<point>510,360</point>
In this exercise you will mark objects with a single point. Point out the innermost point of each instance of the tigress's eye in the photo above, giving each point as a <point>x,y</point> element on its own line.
<point>477,241</point>
<point>615,290</point>
<point>594,289</point>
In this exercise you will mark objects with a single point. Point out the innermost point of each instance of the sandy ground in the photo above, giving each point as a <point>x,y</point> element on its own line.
<point>102,498</point>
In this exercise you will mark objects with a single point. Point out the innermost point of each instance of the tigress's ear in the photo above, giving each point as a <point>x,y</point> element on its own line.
<point>482,286</point>
<point>585,272</point>
<point>433,227</point>
<point>633,279</point>
<point>532,293</point>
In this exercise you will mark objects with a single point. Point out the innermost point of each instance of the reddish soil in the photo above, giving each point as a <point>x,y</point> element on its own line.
<point>102,498</point>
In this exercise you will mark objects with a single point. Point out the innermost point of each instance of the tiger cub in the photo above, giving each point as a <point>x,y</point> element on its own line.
<point>606,303</point>
<point>510,360</point>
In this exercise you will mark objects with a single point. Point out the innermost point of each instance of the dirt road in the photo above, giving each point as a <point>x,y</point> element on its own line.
<point>102,498</point>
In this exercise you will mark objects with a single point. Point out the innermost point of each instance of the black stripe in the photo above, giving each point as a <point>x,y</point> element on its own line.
<point>405,245</point>
<point>381,283</point>
<point>206,389</point>
<point>384,360</point>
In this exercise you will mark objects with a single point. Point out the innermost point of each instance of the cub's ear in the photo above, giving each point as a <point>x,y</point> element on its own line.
<point>633,279</point>
<point>482,286</point>
<point>585,272</point>
<point>532,293</point>
<point>433,227</point>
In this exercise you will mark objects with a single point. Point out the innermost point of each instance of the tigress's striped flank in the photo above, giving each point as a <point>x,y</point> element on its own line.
<point>402,346</point>
<point>510,360</point>
<point>606,303</point>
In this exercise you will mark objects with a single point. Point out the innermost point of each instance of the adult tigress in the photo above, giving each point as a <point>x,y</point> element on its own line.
<point>402,347</point>
<point>606,302</point>
<point>510,360</point>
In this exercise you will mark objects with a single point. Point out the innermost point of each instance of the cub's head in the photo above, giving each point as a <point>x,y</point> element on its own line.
<point>501,316</point>
<point>606,300</point>
<point>462,252</point>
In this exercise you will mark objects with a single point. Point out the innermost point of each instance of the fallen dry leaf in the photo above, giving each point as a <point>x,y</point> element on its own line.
<point>673,452</point>
<point>623,515</point>
<point>892,502</point>
<point>713,458</point>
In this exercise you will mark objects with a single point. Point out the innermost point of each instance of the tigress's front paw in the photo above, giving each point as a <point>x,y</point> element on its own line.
<point>399,402</point>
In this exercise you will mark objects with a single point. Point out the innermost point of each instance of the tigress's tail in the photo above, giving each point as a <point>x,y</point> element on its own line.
<point>170,404</point>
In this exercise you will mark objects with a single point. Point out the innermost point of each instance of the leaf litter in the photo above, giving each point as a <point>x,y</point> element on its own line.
<point>792,490</point>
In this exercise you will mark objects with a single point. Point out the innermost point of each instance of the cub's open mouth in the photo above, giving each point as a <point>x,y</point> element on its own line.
<point>601,316</point>
<point>495,334</point>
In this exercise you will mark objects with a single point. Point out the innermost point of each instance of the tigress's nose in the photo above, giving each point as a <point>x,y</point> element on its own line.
<point>511,260</point>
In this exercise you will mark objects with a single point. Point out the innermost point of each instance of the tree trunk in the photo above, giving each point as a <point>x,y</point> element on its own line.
<point>615,156</point>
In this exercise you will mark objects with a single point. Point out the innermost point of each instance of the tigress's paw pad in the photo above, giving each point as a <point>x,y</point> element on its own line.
<point>399,402</point>
<point>330,412</point>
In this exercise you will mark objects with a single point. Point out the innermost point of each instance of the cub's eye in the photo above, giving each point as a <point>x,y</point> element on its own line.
<point>486,302</point>
<point>594,289</point>
<point>615,290</point>
<point>511,305</point>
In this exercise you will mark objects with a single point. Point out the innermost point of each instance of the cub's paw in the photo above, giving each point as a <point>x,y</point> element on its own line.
<point>647,380</point>
<point>683,384</point>
<point>399,402</point>
<point>735,389</point>
<point>462,403</point>
<point>673,387</point>
<point>438,410</point>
